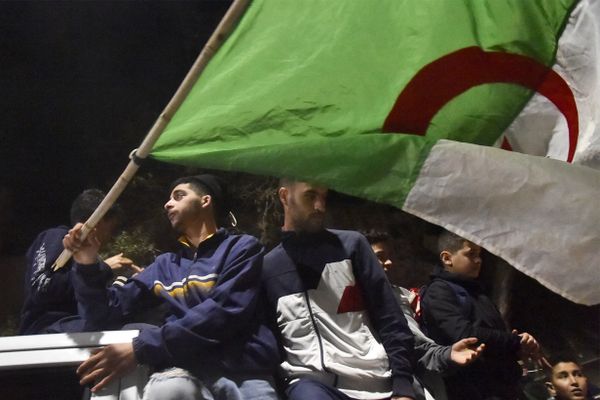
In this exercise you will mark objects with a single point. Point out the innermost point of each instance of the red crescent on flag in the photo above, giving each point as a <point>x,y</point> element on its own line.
<point>447,77</point>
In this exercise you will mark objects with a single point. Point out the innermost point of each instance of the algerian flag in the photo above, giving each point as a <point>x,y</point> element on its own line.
<point>377,98</point>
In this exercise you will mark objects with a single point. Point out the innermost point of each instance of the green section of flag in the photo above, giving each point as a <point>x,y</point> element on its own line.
<point>302,88</point>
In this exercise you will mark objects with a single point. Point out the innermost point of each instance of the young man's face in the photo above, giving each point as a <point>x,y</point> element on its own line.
<point>184,206</point>
<point>304,205</point>
<point>465,261</point>
<point>383,252</point>
<point>568,382</point>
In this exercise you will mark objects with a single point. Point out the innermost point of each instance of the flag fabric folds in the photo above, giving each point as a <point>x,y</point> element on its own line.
<point>396,101</point>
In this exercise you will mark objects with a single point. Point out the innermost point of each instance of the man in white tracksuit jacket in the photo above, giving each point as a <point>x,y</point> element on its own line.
<point>342,333</point>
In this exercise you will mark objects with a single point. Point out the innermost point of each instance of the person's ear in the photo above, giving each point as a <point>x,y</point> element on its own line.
<point>550,388</point>
<point>446,258</point>
<point>206,200</point>
<point>283,195</point>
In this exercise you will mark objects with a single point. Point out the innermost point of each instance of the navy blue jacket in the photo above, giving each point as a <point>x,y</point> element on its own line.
<point>50,305</point>
<point>337,317</point>
<point>212,297</point>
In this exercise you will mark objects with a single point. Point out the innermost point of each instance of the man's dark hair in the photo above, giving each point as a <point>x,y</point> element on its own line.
<point>375,236</point>
<point>210,185</point>
<point>448,241</point>
<point>86,203</point>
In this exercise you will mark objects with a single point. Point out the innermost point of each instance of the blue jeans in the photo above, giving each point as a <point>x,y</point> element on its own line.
<point>306,388</point>
<point>179,384</point>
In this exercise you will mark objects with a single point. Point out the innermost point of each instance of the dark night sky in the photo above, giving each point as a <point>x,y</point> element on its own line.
<point>82,82</point>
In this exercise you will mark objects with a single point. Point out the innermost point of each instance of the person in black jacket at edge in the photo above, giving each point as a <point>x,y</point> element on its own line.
<point>454,307</point>
<point>50,305</point>
<point>567,381</point>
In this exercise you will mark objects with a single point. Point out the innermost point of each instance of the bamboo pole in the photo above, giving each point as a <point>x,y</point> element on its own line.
<point>225,27</point>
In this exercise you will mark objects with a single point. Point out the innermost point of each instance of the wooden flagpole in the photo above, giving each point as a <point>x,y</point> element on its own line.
<point>227,24</point>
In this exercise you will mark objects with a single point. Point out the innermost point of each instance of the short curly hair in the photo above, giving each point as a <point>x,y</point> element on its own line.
<point>86,203</point>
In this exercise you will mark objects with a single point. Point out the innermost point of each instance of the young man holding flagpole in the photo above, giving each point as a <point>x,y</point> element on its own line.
<point>212,344</point>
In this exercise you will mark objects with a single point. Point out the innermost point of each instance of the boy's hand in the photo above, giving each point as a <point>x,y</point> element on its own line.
<point>530,347</point>
<point>107,364</point>
<point>117,262</point>
<point>464,351</point>
<point>84,251</point>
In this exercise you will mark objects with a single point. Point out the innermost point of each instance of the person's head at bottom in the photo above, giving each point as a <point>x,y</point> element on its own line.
<point>566,380</point>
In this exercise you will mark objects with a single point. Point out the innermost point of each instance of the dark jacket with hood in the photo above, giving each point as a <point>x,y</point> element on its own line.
<point>454,308</point>
<point>50,305</point>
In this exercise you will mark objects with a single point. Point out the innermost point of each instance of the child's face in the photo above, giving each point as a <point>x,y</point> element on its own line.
<point>568,382</point>
<point>383,252</point>
<point>465,261</point>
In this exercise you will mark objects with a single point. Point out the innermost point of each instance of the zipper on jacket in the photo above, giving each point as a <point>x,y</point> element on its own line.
<point>314,322</point>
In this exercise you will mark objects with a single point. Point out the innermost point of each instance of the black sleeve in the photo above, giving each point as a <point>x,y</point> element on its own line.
<point>446,323</point>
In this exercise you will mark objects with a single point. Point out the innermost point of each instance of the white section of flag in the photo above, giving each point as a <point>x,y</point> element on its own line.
<point>540,215</point>
<point>540,129</point>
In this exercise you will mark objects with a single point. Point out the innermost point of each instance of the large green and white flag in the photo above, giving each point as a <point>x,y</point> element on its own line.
<point>403,101</point>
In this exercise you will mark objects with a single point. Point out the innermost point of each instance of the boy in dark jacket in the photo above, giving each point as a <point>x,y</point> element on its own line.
<point>50,304</point>
<point>212,343</point>
<point>433,360</point>
<point>454,307</point>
